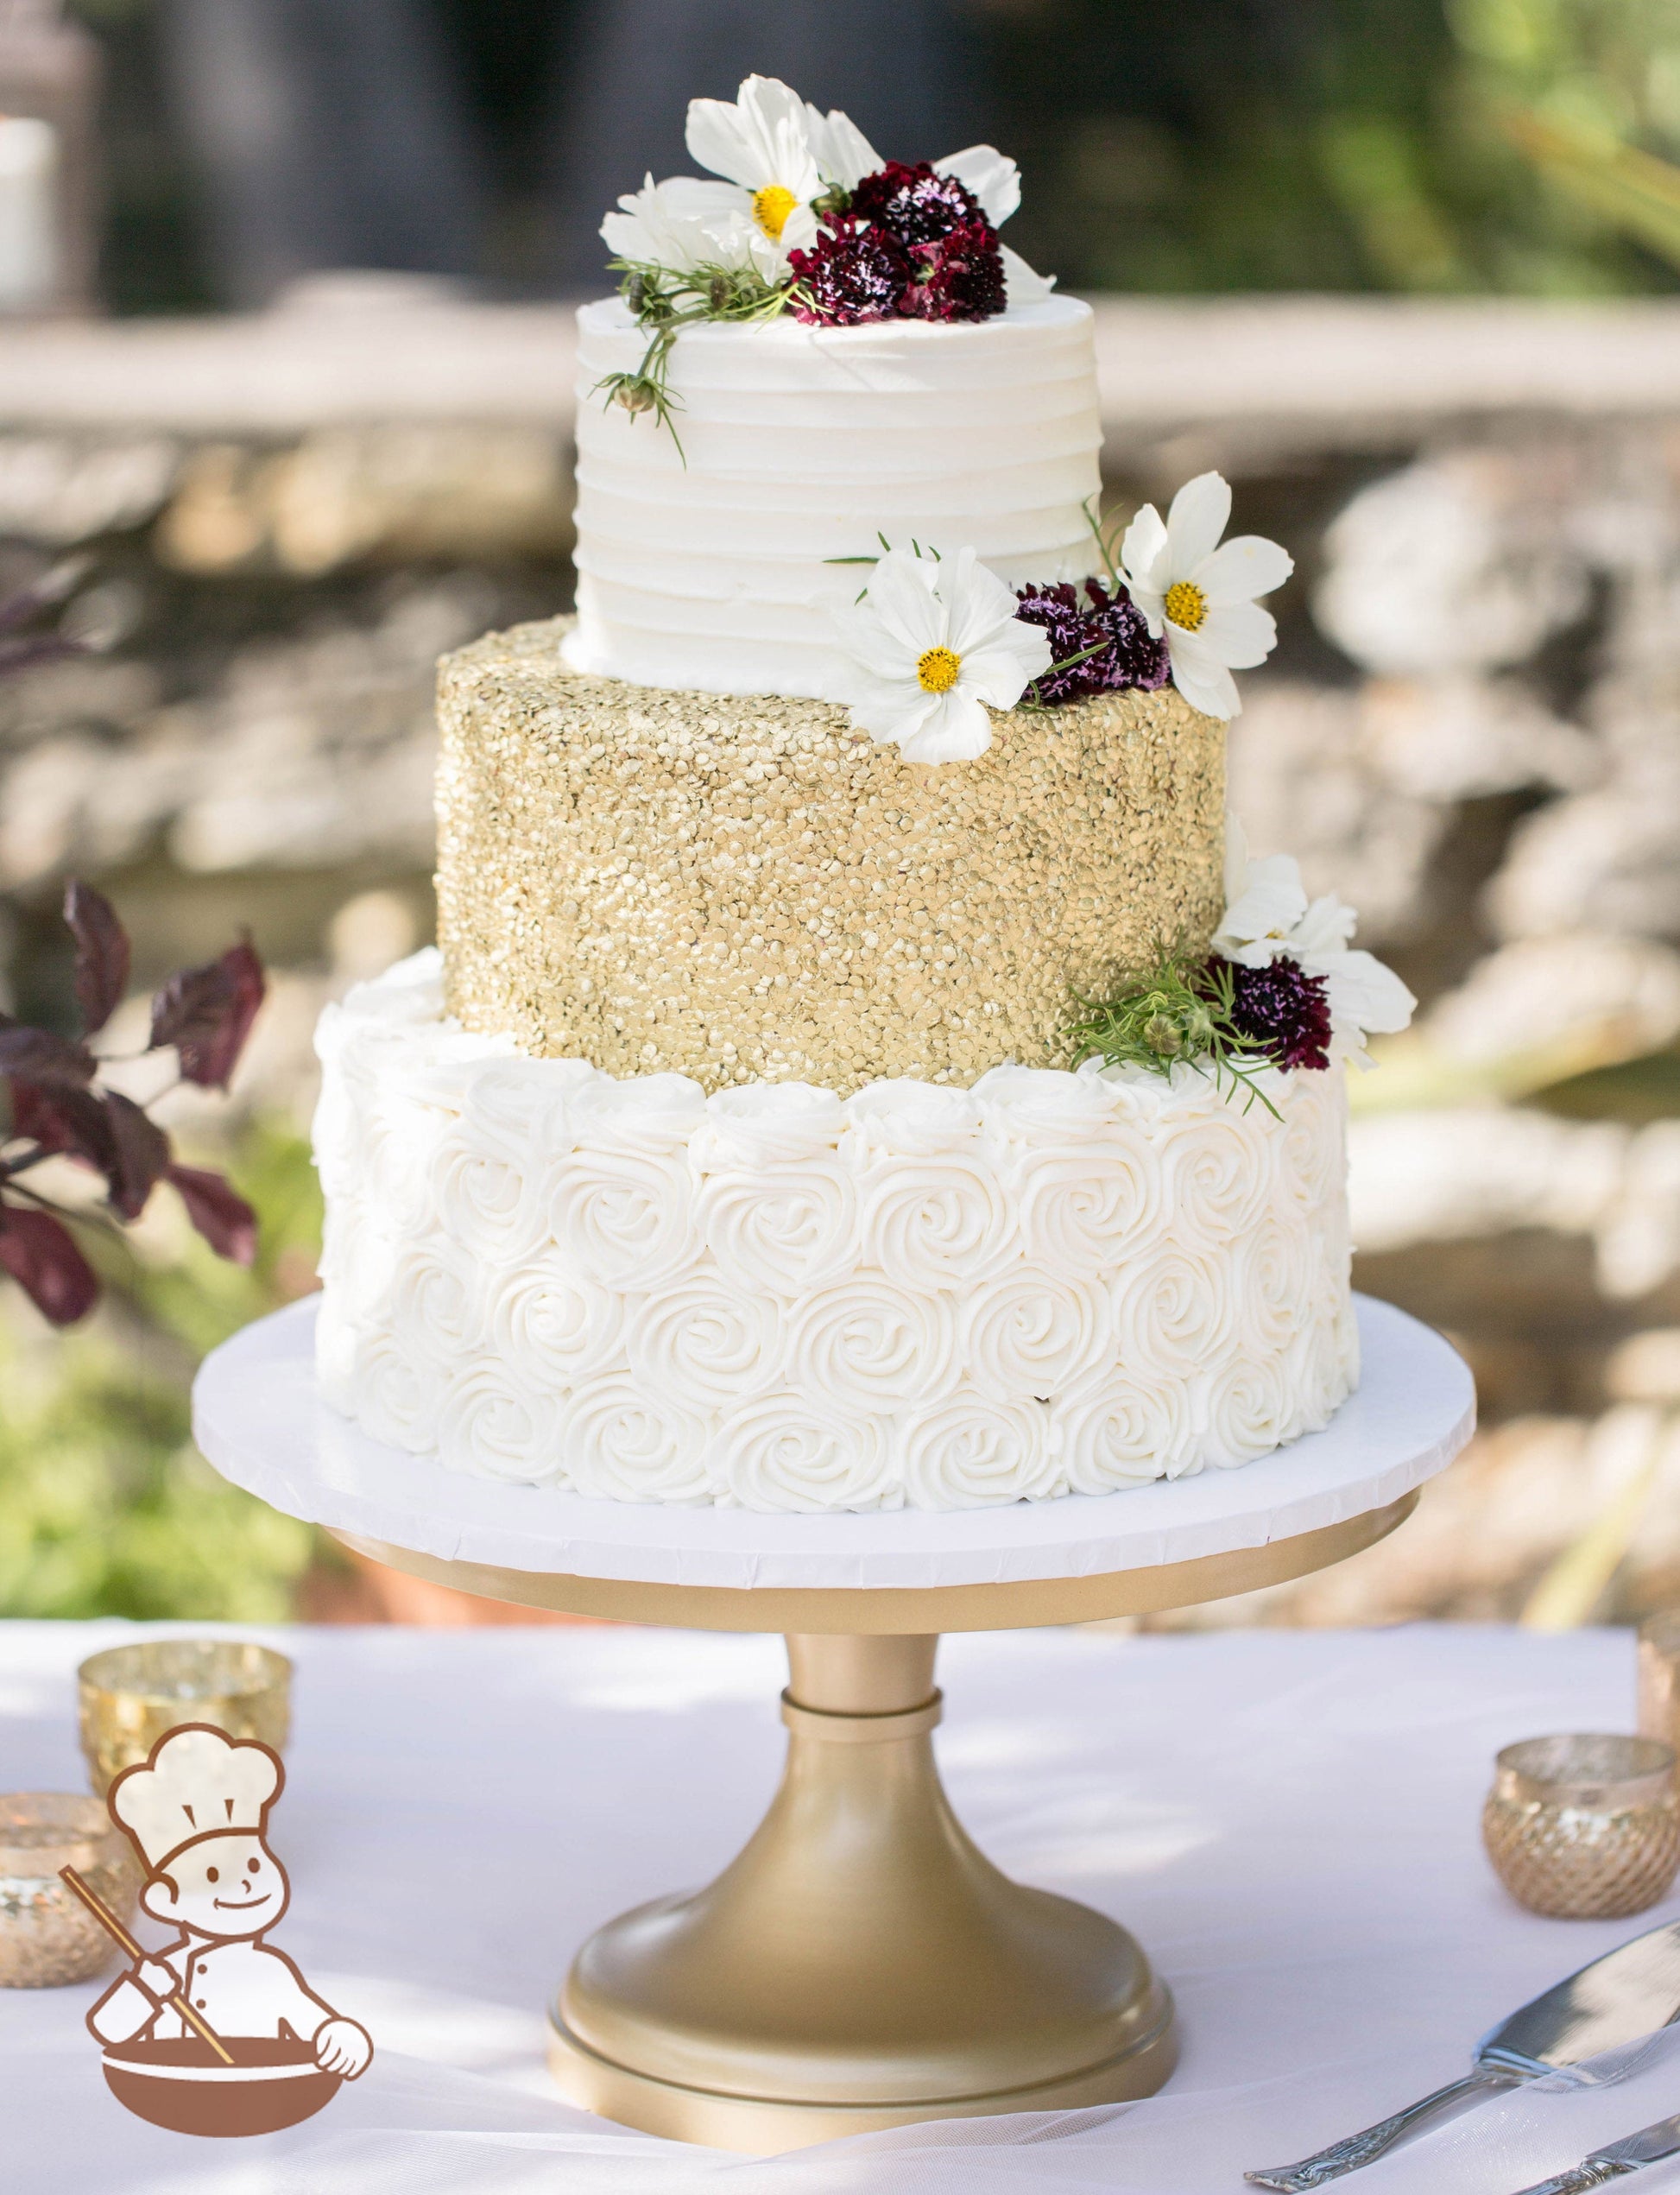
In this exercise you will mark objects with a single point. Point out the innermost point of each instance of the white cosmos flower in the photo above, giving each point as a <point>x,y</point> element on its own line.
<point>1269,917</point>
<point>765,143</point>
<point>1201,595</point>
<point>685,222</point>
<point>991,175</point>
<point>931,642</point>
<point>843,152</point>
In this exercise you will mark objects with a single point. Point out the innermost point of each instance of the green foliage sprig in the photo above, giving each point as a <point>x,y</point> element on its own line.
<point>1107,534</point>
<point>1180,1013</point>
<point>664,304</point>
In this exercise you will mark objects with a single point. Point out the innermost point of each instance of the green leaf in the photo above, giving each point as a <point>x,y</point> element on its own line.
<point>1634,189</point>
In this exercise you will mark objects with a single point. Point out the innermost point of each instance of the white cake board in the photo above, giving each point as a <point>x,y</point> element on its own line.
<point>259,1418</point>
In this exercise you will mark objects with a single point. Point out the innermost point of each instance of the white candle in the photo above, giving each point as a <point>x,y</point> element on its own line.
<point>28,218</point>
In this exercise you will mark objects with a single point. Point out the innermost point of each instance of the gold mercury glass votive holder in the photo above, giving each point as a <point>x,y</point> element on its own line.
<point>48,1937</point>
<point>1659,1677</point>
<point>1584,1827</point>
<point>128,1696</point>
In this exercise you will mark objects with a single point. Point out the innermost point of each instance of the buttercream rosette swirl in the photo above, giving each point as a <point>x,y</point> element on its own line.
<point>702,1342</point>
<point>936,1219</point>
<point>1214,1187</point>
<point>396,1158</point>
<point>1248,1410</point>
<point>867,1344</point>
<point>1280,1274</point>
<point>547,1317</point>
<point>787,1226</point>
<point>1173,1314</point>
<point>494,1424</point>
<point>394,1392</point>
<point>438,1290</point>
<point>622,1441</point>
<point>358,1262</point>
<point>516,1107</point>
<point>1086,1212</point>
<point>489,1205</point>
<point>1121,1431</point>
<point>782,1452</point>
<point>624,1217</point>
<point>1030,1333</point>
<point>972,1452</point>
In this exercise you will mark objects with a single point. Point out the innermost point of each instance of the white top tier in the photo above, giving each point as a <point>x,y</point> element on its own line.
<point>801,445</point>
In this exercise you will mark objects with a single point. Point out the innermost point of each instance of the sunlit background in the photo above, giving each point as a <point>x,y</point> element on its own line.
<point>285,355</point>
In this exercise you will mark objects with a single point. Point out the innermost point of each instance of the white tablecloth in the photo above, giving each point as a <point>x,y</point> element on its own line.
<point>1287,1820</point>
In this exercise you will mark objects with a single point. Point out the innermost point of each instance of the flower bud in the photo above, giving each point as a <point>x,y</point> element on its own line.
<point>1162,1034</point>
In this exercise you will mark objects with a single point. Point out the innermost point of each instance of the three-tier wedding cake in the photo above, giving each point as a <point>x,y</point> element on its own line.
<point>861,1067</point>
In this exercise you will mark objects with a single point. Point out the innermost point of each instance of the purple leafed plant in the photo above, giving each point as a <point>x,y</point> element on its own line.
<point>21,649</point>
<point>56,1104</point>
<point>60,1107</point>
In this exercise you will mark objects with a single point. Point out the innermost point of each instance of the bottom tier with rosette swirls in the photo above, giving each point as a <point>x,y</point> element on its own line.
<point>782,1299</point>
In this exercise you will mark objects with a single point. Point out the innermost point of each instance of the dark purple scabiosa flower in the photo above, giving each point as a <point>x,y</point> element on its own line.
<point>1114,625</point>
<point>1283,1010</point>
<point>1072,629</point>
<point>1138,660</point>
<point>959,278</point>
<point>851,274</point>
<point>915,205</point>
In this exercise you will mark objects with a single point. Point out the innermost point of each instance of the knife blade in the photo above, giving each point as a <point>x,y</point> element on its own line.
<point>1648,2147</point>
<point>1629,1992</point>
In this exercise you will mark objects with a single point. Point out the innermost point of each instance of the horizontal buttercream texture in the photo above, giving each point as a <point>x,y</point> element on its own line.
<point>778,1298</point>
<point>747,890</point>
<point>704,547</point>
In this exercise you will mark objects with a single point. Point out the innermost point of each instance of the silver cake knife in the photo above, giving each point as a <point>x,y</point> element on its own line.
<point>1647,2147</point>
<point>1631,1992</point>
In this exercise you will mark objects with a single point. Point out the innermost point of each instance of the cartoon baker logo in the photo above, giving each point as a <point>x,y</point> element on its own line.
<point>217,2033</point>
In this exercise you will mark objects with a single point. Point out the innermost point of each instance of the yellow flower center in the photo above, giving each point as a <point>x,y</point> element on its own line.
<point>771,208</point>
<point>937,671</point>
<point>1186,606</point>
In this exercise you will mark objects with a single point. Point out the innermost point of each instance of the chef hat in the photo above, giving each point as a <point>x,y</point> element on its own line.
<point>198,1783</point>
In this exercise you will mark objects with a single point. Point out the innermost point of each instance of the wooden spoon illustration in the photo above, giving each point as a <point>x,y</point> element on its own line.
<point>108,1920</point>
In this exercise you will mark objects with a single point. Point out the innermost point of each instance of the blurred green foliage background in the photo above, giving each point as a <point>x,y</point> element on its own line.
<point>1170,145</point>
<point>1333,144</point>
<point>105,1508</point>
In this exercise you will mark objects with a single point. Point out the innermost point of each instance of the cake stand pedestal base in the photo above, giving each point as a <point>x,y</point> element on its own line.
<point>861,1963</point>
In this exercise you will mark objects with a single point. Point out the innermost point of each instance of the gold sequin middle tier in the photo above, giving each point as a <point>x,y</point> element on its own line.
<point>746,889</point>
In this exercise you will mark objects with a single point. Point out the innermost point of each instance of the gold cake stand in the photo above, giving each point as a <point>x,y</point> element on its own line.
<point>861,1964</point>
